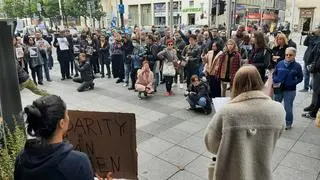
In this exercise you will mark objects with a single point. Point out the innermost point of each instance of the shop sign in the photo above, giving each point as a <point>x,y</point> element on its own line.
<point>159,7</point>
<point>306,13</point>
<point>191,10</point>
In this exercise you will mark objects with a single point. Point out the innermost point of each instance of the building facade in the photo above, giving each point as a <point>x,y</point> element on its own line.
<point>303,15</point>
<point>157,12</point>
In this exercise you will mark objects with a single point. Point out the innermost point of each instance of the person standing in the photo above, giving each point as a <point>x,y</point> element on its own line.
<point>261,54</point>
<point>229,63</point>
<point>128,48</point>
<point>211,67</point>
<point>104,56</point>
<point>45,47</point>
<point>63,45</point>
<point>243,134</point>
<point>19,54</point>
<point>169,57</point>
<point>35,60</point>
<point>287,74</point>
<point>192,55</point>
<point>117,58</point>
<point>136,59</point>
<point>179,46</point>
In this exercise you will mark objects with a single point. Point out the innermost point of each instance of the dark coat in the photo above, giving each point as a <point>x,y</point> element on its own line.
<point>202,90</point>
<point>128,49</point>
<point>261,58</point>
<point>289,76</point>
<point>52,162</point>
<point>151,52</point>
<point>310,41</point>
<point>194,55</point>
<point>22,74</point>
<point>277,51</point>
<point>85,71</point>
<point>104,52</point>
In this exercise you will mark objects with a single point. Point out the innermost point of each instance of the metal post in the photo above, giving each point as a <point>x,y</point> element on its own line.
<point>217,12</point>
<point>9,86</point>
<point>293,14</point>
<point>229,20</point>
<point>171,17</point>
<point>60,10</point>
<point>121,15</point>
<point>210,13</point>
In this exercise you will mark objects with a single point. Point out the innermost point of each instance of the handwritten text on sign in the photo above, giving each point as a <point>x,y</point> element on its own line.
<point>109,139</point>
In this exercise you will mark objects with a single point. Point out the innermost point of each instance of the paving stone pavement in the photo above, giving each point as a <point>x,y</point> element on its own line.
<point>170,139</point>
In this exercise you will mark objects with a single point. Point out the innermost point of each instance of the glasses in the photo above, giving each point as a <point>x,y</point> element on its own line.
<point>289,55</point>
<point>170,44</point>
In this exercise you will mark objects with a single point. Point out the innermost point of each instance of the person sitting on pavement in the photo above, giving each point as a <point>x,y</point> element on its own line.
<point>47,156</point>
<point>86,73</point>
<point>26,82</point>
<point>144,83</point>
<point>198,95</point>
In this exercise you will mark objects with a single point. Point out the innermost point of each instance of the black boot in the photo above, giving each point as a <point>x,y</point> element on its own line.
<point>309,108</point>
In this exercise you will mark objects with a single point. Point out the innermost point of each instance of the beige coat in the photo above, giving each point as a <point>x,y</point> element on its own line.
<point>211,63</point>
<point>243,134</point>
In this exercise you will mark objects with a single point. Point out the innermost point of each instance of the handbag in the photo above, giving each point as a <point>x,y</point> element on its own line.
<point>168,69</point>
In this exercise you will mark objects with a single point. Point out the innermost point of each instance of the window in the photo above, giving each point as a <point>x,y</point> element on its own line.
<point>191,3</point>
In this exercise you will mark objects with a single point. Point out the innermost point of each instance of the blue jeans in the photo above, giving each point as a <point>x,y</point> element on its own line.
<point>202,102</point>
<point>306,75</point>
<point>155,73</point>
<point>288,98</point>
<point>127,71</point>
<point>46,68</point>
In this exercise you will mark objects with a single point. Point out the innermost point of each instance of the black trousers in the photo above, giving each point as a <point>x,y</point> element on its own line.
<point>168,80</point>
<point>102,63</point>
<point>64,60</point>
<point>94,62</point>
<point>215,86</point>
<point>84,84</point>
<point>36,73</point>
<point>118,66</point>
<point>133,76</point>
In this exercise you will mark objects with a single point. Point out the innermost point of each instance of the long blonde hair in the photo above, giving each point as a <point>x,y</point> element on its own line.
<point>283,36</point>
<point>246,79</point>
<point>235,48</point>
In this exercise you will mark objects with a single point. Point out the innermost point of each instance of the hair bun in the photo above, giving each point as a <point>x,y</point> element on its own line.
<point>33,111</point>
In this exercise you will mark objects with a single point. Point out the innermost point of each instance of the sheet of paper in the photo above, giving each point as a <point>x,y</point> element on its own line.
<point>219,102</point>
<point>19,52</point>
<point>63,43</point>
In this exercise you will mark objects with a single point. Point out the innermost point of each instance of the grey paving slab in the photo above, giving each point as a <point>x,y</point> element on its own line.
<point>195,144</point>
<point>155,146</point>
<point>199,167</point>
<point>184,114</point>
<point>178,156</point>
<point>295,133</point>
<point>143,157</point>
<point>157,169</point>
<point>185,175</point>
<point>278,156</point>
<point>310,137</point>
<point>307,149</point>
<point>286,173</point>
<point>302,163</point>
<point>189,127</point>
<point>142,136</point>
<point>173,135</point>
<point>285,143</point>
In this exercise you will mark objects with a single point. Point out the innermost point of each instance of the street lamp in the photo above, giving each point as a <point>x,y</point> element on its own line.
<point>60,9</point>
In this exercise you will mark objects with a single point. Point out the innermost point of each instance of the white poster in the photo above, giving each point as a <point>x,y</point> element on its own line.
<point>19,52</point>
<point>63,43</point>
<point>219,102</point>
<point>33,51</point>
<point>76,49</point>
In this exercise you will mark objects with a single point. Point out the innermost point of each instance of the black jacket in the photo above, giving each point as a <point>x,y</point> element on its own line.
<point>85,71</point>
<point>22,74</point>
<point>310,41</point>
<point>202,90</point>
<point>128,49</point>
<point>52,162</point>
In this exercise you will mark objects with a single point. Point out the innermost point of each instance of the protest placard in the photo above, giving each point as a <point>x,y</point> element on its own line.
<point>109,139</point>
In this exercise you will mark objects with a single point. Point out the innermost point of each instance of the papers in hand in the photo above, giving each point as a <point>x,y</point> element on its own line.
<point>63,43</point>
<point>219,102</point>
<point>19,52</point>
<point>33,51</point>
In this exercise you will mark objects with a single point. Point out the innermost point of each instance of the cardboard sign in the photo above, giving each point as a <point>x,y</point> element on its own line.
<point>109,139</point>
<point>76,49</point>
<point>33,51</point>
<point>19,52</point>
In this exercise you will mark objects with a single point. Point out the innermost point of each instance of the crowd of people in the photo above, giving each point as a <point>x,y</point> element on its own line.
<point>144,60</point>
<point>206,61</point>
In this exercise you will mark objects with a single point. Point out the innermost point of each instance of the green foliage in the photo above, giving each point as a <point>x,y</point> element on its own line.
<point>13,8</point>
<point>14,142</point>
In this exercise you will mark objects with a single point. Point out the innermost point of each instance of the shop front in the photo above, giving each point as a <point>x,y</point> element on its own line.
<point>160,13</point>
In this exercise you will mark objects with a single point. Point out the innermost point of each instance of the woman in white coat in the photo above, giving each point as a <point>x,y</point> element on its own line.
<point>243,134</point>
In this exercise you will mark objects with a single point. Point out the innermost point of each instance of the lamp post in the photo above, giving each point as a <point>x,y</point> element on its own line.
<point>60,10</point>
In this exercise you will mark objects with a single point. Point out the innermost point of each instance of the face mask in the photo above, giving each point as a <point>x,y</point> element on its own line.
<point>135,44</point>
<point>75,39</point>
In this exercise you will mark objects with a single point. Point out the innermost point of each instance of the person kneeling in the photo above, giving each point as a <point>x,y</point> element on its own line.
<point>198,95</point>
<point>86,74</point>
<point>144,83</point>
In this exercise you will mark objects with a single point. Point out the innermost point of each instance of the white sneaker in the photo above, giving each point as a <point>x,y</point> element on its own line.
<point>181,86</point>
<point>125,85</point>
<point>174,84</point>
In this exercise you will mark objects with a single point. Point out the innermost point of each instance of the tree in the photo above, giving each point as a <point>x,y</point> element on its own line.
<point>13,8</point>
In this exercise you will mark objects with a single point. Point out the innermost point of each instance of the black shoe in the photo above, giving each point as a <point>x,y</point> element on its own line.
<point>71,74</point>
<point>309,115</point>
<point>190,109</point>
<point>63,78</point>
<point>162,82</point>
<point>139,95</point>
<point>145,94</point>
<point>49,80</point>
<point>69,77</point>
<point>131,88</point>
<point>40,82</point>
<point>119,81</point>
<point>77,75</point>
<point>288,128</point>
<point>309,108</point>
<point>109,76</point>
<point>91,86</point>
<point>102,76</point>
<point>155,90</point>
